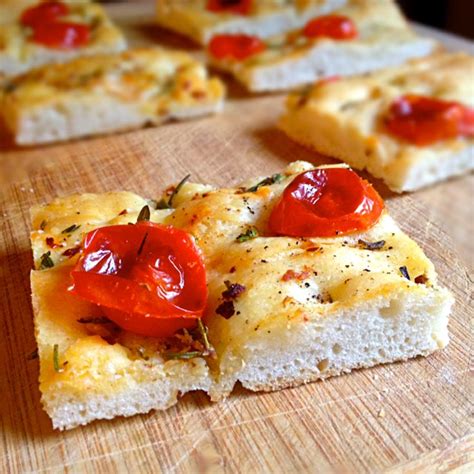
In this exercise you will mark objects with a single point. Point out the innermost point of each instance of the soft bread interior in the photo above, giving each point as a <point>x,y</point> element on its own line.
<point>386,329</point>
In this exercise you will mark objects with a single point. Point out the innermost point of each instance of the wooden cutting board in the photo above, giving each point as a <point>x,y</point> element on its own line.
<point>406,417</point>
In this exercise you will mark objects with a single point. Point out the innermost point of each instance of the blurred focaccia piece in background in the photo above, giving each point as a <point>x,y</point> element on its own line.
<point>49,32</point>
<point>202,19</point>
<point>411,126</point>
<point>108,93</point>
<point>364,36</point>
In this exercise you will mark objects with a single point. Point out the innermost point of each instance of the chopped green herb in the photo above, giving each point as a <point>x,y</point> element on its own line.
<point>276,178</point>
<point>33,355</point>
<point>404,272</point>
<point>371,245</point>
<point>203,330</point>
<point>177,189</point>
<point>43,225</point>
<point>57,367</point>
<point>163,204</point>
<point>183,355</point>
<point>144,214</point>
<point>46,261</point>
<point>249,234</point>
<point>70,229</point>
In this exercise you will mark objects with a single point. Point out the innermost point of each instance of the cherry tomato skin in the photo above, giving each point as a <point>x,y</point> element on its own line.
<point>148,278</point>
<point>336,27</point>
<point>237,47</point>
<point>326,202</point>
<point>423,120</point>
<point>240,7</point>
<point>165,327</point>
<point>45,12</point>
<point>61,35</point>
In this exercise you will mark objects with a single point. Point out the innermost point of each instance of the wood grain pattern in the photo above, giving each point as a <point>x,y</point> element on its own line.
<point>410,417</point>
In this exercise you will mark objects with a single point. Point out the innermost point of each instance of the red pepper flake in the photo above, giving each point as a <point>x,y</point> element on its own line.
<point>232,270</point>
<point>71,252</point>
<point>122,213</point>
<point>198,94</point>
<point>51,243</point>
<point>292,275</point>
<point>421,279</point>
<point>233,290</point>
<point>226,309</point>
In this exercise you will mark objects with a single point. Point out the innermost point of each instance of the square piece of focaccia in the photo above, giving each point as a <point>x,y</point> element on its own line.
<point>288,61</point>
<point>202,19</point>
<point>345,119</point>
<point>19,53</point>
<point>281,311</point>
<point>108,93</point>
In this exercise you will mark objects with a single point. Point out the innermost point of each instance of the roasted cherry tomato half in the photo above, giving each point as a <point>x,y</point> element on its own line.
<point>424,120</point>
<point>148,278</point>
<point>43,13</point>
<point>336,27</point>
<point>326,202</point>
<point>241,7</point>
<point>61,35</point>
<point>237,47</point>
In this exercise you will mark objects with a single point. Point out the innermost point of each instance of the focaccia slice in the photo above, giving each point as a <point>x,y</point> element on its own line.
<point>384,39</point>
<point>306,309</point>
<point>194,19</point>
<point>345,119</point>
<point>19,54</point>
<point>108,93</point>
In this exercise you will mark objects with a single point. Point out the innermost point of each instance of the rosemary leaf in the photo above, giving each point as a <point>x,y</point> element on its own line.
<point>56,365</point>
<point>371,245</point>
<point>249,234</point>
<point>46,261</point>
<point>276,178</point>
<point>140,249</point>
<point>94,320</point>
<point>203,330</point>
<point>70,229</point>
<point>404,272</point>
<point>183,355</point>
<point>162,204</point>
<point>177,189</point>
<point>144,214</point>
